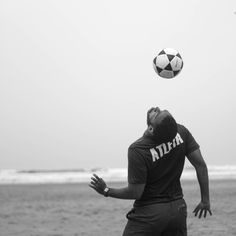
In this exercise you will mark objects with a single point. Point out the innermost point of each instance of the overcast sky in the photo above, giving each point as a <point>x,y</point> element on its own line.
<point>76,78</point>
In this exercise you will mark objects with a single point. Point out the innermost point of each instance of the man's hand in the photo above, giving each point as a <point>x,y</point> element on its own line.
<point>202,208</point>
<point>98,184</point>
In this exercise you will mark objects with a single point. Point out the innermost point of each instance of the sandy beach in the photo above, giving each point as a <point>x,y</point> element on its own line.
<point>76,210</point>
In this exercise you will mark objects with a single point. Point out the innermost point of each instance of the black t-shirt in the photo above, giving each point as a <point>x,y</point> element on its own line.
<point>159,165</point>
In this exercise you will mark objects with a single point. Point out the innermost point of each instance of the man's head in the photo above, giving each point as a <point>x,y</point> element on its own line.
<point>161,124</point>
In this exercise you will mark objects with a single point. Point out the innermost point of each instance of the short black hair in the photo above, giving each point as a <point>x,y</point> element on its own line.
<point>166,130</point>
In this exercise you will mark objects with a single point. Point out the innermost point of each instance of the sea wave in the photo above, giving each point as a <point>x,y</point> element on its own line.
<point>37,176</point>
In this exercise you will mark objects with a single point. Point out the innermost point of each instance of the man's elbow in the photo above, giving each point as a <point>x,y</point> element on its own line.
<point>202,165</point>
<point>202,168</point>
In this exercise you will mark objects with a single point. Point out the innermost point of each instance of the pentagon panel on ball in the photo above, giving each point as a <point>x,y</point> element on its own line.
<point>168,63</point>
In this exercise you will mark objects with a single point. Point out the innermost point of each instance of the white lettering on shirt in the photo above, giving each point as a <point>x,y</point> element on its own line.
<point>164,148</point>
<point>155,155</point>
<point>160,150</point>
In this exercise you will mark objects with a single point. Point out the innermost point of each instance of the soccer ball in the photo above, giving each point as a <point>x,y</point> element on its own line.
<point>168,63</point>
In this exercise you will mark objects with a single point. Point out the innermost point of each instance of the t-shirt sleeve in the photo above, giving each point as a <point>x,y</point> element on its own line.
<point>191,144</point>
<point>137,170</point>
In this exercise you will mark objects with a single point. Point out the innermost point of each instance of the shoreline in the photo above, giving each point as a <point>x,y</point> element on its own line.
<point>108,182</point>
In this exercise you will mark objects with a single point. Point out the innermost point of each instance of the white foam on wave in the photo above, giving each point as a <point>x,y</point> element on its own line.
<point>110,175</point>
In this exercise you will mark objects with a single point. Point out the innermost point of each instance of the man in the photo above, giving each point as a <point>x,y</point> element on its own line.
<point>155,164</point>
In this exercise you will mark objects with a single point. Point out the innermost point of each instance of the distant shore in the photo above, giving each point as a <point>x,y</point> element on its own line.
<point>81,175</point>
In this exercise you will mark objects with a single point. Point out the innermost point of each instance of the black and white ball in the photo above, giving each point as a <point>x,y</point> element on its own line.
<point>168,63</point>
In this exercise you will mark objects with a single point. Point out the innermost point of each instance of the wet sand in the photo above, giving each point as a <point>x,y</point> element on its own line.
<point>76,210</point>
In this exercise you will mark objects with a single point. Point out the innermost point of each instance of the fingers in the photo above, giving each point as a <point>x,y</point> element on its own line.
<point>92,186</point>
<point>201,212</point>
<point>196,210</point>
<point>205,213</point>
<point>97,178</point>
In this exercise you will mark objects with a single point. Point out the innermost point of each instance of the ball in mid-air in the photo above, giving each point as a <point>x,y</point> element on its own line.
<point>168,63</point>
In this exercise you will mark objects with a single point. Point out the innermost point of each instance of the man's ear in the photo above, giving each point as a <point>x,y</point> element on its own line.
<point>150,129</point>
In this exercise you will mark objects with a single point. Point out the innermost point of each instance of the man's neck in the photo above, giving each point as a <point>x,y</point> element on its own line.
<point>148,134</point>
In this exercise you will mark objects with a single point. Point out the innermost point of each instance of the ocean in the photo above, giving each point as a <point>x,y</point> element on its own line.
<point>37,176</point>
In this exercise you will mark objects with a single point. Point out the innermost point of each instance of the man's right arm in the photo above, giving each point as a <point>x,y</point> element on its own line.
<point>199,164</point>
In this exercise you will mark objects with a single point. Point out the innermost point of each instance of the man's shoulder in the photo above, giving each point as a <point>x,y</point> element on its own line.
<point>137,143</point>
<point>142,143</point>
